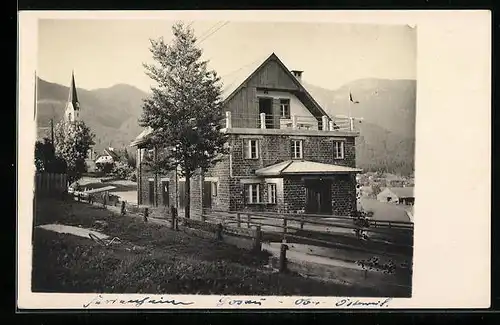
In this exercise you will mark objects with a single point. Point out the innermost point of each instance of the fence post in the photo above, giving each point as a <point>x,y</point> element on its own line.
<point>249,218</point>
<point>283,249</point>
<point>285,222</point>
<point>172,215</point>
<point>302,223</point>
<point>238,220</point>
<point>219,231</point>
<point>122,211</point>
<point>257,244</point>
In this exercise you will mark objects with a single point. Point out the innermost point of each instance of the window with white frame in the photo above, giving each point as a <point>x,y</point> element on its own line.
<point>271,193</point>
<point>297,149</point>
<point>252,193</point>
<point>251,148</point>
<point>285,108</point>
<point>338,149</point>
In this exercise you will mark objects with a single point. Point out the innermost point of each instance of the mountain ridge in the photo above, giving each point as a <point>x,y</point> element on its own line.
<point>387,133</point>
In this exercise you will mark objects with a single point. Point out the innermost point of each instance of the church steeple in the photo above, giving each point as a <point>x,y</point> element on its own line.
<point>72,106</point>
<point>73,96</point>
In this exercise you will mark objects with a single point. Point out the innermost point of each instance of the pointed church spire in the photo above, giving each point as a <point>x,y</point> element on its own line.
<point>73,97</point>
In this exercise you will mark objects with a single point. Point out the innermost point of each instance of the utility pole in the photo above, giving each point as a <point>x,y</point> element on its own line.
<point>52,130</point>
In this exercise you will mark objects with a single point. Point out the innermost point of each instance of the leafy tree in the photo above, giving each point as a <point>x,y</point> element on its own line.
<point>72,141</point>
<point>46,159</point>
<point>185,108</point>
<point>127,158</point>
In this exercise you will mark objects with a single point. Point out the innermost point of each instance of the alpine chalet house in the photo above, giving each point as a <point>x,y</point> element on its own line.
<point>286,153</point>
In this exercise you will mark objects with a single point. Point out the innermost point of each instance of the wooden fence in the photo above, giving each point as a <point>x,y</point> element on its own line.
<point>50,184</point>
<point>390,237</point>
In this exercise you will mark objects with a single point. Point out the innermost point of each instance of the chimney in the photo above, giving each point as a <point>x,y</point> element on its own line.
<point>297,74</point>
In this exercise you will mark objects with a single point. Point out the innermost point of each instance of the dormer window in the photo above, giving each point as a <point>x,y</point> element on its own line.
<point>285,108</point>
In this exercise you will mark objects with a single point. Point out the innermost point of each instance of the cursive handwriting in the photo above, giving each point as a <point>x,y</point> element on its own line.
<point>100,301</point>
<point>346,302</point>
<point>228,301</point>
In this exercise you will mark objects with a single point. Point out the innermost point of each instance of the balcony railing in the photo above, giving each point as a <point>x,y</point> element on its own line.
<point>297,122</point>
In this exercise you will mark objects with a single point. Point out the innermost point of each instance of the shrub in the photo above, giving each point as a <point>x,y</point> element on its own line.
<point>361,220</point>
<point>121,170</point>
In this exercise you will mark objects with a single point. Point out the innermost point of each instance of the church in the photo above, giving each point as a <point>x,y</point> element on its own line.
<point>72,114</point>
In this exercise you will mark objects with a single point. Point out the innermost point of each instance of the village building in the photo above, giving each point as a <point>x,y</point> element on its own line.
<point>398,195</point>
<point>286,153</point>
<point>109,156</point>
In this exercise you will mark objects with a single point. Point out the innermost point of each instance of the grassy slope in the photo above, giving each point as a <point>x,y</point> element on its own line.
<point>153,259</point>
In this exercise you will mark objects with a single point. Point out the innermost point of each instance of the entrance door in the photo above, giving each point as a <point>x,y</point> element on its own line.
<point>207,195</point>
<point>318,196</point>
<point>266,106</point>
<point>165,193</point>
<point>151,192</point>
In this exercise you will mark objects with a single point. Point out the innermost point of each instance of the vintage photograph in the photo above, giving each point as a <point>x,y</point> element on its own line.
<point>207,157</point>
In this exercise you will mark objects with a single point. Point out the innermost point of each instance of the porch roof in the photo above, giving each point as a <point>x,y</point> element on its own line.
<point>304,167</point>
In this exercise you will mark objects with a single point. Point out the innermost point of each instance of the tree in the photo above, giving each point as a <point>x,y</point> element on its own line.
<point>72,142</point>
<point>185,108</point>
<point>376,189</point>
<point>46,159</point>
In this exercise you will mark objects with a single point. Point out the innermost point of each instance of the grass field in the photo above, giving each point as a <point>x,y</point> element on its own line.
<point>154,259</point>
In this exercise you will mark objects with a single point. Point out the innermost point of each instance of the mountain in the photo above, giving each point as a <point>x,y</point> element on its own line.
<point>111,113</point>
<point>387,133</point>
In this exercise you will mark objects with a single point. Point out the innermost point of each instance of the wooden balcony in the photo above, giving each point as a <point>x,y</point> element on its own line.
<point>294,123</point>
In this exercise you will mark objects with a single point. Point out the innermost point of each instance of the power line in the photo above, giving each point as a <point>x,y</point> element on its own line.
<point>203,39</point>
<point>207,31</point>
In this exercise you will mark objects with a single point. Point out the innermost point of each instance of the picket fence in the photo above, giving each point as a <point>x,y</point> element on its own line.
<point>50,184</point>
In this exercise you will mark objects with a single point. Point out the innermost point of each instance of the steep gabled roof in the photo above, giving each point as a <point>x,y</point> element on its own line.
<point>236,80</point>
<point>248,71</point>
<point>111,153</point>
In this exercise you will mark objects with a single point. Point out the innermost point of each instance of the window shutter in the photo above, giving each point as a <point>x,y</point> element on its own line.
<point>245,194</point>
<point>245,148</point>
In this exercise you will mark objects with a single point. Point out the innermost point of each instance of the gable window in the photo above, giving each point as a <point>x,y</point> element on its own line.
<point>338,149</point>
<point>297,149</point>
<point>251,148</point>
<point>271,193</point>
<point>285,108</point>
<point>252,193</point>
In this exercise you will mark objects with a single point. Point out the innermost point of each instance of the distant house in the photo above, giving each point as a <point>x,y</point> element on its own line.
<point>108,157</point>
<point>398,195</point>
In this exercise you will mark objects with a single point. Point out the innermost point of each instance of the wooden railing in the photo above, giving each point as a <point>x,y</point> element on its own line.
<point>338,231</point>
<point>271,121</point>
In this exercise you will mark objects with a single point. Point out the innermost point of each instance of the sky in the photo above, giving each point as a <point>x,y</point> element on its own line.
<point>103,53</point>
